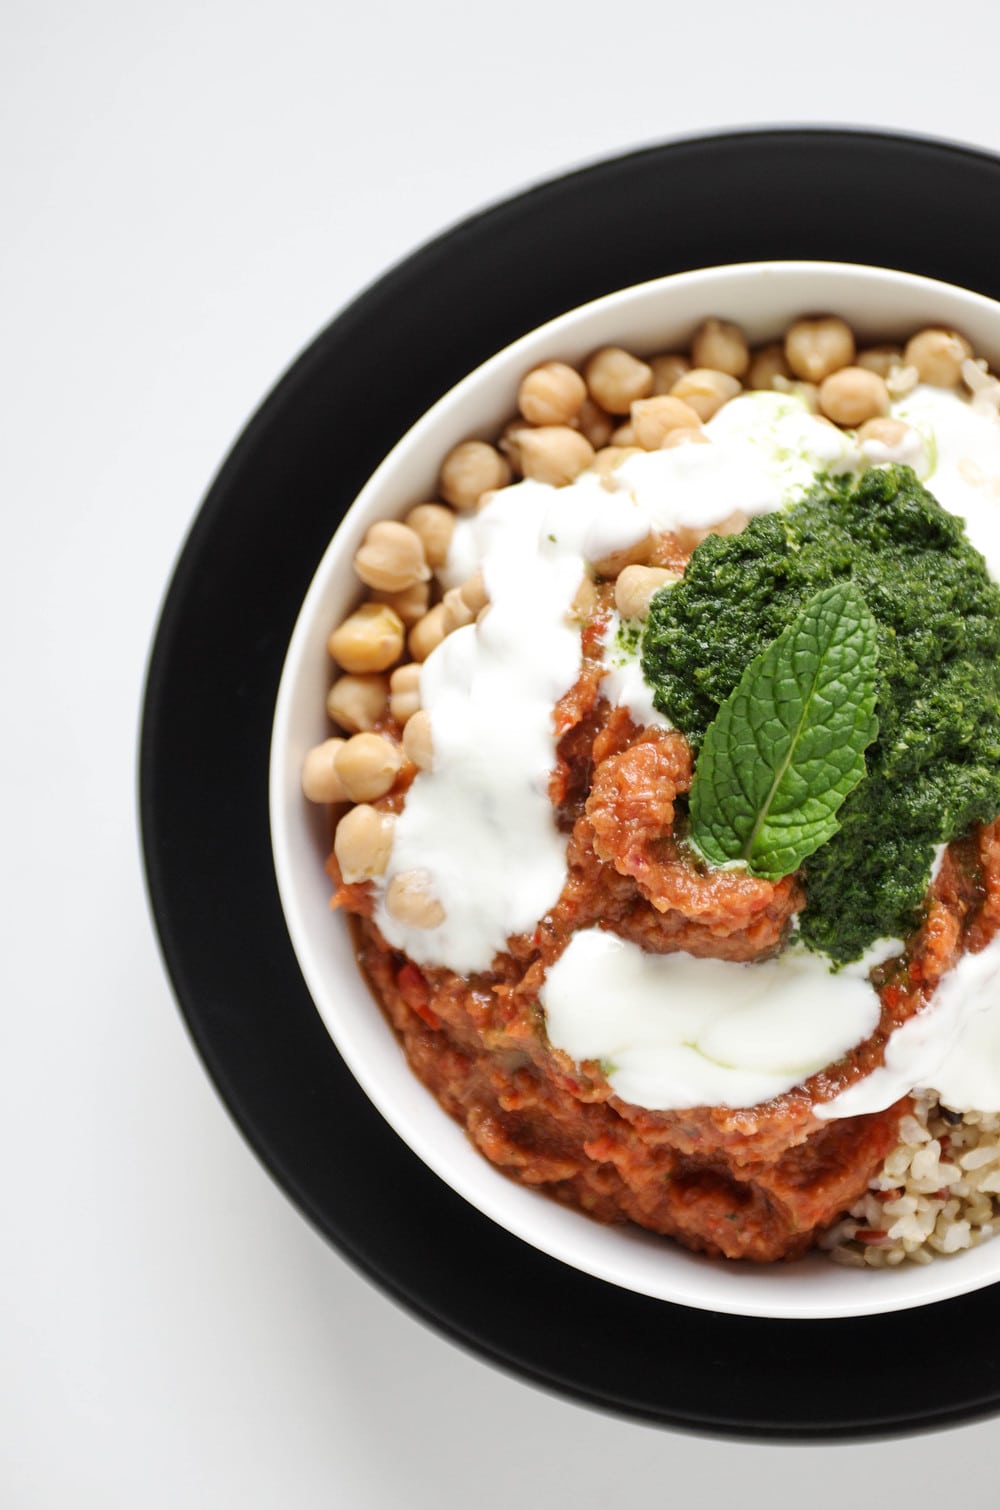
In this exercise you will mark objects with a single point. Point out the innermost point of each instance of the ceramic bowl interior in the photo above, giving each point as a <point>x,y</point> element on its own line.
<point>661,315</point>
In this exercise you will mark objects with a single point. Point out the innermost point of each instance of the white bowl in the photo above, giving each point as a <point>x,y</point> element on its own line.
<point>656,316</point>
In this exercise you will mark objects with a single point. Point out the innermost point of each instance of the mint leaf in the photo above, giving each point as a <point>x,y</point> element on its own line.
<point>789,742</point>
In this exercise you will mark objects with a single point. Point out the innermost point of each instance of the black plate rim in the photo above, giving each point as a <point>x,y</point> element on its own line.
<point>171,946</point>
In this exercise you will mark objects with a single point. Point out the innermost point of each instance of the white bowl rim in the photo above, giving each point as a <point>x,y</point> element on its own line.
<point>772,1291</point>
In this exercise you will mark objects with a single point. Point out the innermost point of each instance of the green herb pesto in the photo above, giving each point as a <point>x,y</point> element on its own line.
<point>934,769</point>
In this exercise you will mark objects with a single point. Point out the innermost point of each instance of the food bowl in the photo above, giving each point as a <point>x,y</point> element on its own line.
<point>661,315</point>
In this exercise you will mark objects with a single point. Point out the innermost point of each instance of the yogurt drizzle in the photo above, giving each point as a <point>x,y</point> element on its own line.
<point>672,1031</point>
<point>481,824</point>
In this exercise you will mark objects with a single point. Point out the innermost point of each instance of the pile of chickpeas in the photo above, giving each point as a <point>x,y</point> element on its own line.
<point>568,422</point>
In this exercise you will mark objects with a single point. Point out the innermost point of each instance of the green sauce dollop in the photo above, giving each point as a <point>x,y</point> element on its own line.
<point>934,770</point>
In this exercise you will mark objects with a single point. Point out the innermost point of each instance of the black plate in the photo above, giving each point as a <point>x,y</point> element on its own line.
<point>926,207</point>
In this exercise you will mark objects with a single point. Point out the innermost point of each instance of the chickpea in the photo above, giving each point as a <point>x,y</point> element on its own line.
<point>363,843</point>
<point>654,418</point>
<point>553,453</point>
<point>457,612</point>
<point>368,765</point>
<point>668,368</point>
<point>624,437</point>
<point>508,439</point>
<point>469,470</point>
<point>594,423</point>
<point>901,381</point>
<point>706,390</point>
<point>369,639</point>
<point>392,557</point>
<point>610,457</point>
<point>722,346</point>
<point>733,524</point>
<point>418,745</point>
<point>684,437</point>
<point>766,364</point>
<point>815,348</point>
<point>551,394</point>
<point>584,601</point>
<point>409,900</point>
<point>636,586</point>
<point>404,694</point>
<point>983,387</point>
<point>887,432</point>
<point>616,379</point>
<point>358,702</point>
<point>938,356</point>
<point>474,594</point>
<point>880,359</point>
<point>806,393</point>
<point>410,603</point>
<point>320,782</point>
<point>852,395</point>
<point>630,555</point>
<point>687,536</point>
<point>427,634</point>
<point>435,525</point>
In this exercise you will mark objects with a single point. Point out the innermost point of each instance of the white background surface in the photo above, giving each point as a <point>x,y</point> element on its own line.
<point>188,193</point>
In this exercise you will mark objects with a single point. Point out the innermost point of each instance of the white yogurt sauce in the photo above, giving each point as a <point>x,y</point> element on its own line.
<point>673,1031</point>
<point>624,684</point>
<point>953,1045</point>
<point>480,824</point>
<point>964,472</point>
<point>765,450</point>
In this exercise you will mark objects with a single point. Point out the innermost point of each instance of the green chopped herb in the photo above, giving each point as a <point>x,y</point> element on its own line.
<point>628,636</point>
<point>934,768</point>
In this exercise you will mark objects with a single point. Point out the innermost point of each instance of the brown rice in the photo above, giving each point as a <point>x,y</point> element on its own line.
<point>937,1193</point>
